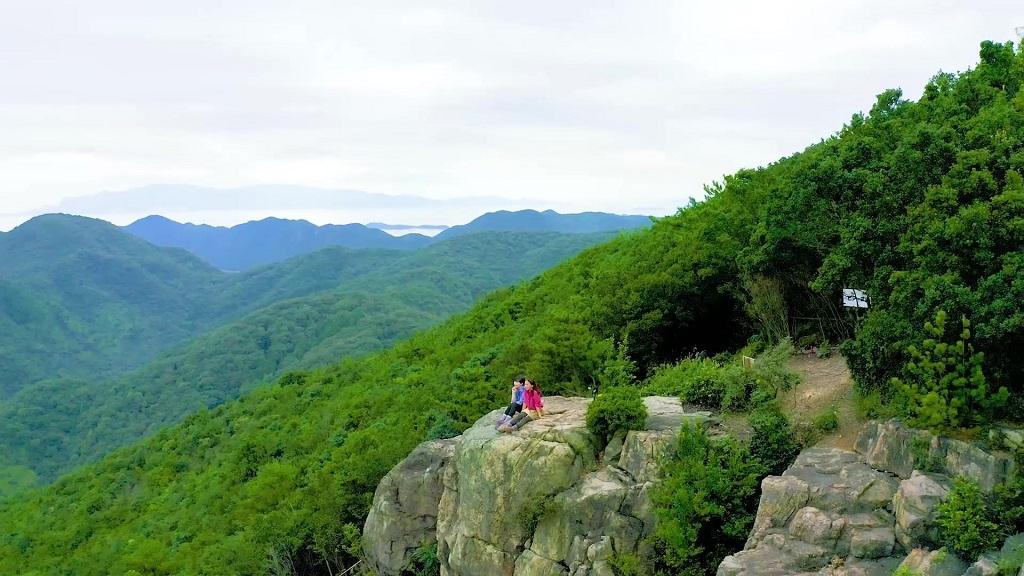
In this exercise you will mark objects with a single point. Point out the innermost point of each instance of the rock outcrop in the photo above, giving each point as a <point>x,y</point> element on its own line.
<point>547,500</point>
<point>836,512</point>
<point>404,512</point>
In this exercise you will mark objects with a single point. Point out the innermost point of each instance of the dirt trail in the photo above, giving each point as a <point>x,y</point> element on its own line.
<point>825,383</point>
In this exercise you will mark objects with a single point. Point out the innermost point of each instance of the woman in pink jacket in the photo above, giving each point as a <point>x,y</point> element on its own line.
<point>533,408</point>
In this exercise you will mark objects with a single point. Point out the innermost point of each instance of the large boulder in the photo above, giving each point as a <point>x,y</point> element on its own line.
<point>828,514</point>
<point>916,506</point>
<point>404,512</point>
<point>546,500</point>
<point>894,447</point>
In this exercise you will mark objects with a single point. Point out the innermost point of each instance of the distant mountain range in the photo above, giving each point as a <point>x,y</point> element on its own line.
<point>270,240</point>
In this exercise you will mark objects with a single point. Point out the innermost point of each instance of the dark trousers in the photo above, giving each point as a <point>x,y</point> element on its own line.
<point>512,409</point>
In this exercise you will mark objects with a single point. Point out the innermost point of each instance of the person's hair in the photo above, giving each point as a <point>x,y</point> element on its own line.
<point>534,384</point>
<point>521,379</point>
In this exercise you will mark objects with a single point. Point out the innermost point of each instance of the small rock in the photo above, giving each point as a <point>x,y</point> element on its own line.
<point>987,565</point>
<point>933,563</point>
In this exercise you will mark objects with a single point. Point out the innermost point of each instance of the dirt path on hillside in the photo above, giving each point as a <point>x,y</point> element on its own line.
<point>825,384</point>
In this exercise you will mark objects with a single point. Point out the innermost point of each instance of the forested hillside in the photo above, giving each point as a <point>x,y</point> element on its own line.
<point>52,426</point>
<point>80,298</point>
<point>547,221</point>
<point>271,240</point>
<point>921,204</point>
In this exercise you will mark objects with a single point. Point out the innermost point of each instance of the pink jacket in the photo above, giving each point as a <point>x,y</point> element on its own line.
<point>532,400</point>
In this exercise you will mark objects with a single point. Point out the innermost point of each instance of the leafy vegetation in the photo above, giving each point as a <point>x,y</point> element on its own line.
<point>966,523</point>
<point>726,383</point>
<point>943,383</point>
<point>773,441</point>
<point>616,410</point>
<point>52,426</point>
<point>706,503</point>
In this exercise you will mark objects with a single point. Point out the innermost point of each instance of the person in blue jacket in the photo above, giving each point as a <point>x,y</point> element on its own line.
<point>516,405</point>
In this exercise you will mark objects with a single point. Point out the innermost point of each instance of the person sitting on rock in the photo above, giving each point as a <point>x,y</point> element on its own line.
<point>516,405</point>
<point>533,404</point>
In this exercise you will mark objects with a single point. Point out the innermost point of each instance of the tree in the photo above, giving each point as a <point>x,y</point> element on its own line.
<point>944,382</point>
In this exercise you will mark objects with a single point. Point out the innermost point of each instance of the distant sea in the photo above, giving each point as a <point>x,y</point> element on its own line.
<point>403,230</point>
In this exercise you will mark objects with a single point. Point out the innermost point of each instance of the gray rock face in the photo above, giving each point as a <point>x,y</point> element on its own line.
<point>933,563</point>
<point>915,504</point>
<point>542,501</point>
<point>835,512</point>
<point>829,504</point>
<point>890,446</point>
<point>404,511</point>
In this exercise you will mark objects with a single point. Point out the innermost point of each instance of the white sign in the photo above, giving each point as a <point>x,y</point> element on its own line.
<point>855,298</point>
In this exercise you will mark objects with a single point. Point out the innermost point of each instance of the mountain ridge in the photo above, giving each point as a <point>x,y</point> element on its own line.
<point>259,242</point>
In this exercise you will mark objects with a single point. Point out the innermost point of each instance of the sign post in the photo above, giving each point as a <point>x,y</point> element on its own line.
<point>856,299</point>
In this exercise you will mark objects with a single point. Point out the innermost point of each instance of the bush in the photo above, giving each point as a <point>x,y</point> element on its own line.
<point>705,504</point>
<point>773,443</point>
<point>440,426</point>
<point>738,387</point>
<point>944,382</point>
<point>614,410</point>
<point>966,521</point>
<point>627,565</point>
<point>424,561</point>
<point>827,421</point>
<point>695,380</point>
<point>531,513</point>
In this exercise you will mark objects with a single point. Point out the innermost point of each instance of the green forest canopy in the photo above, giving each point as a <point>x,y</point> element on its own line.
<point>51,426</point>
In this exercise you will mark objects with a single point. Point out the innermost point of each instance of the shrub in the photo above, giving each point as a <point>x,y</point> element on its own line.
<point>944,382</point>
<point>806,434</point>
<point>627,565</point>
<point>738,386</point>
<point>771,370</point>
<point>773,442</point>
<point>614,410</point>
<point>966,521</point>
<point>424,561</point>
<point>705,504</point>
<point>827,421</point>
<point>695,380</point>
<point>440,426</point>
<point>531,513</point>
<point>924,460</point>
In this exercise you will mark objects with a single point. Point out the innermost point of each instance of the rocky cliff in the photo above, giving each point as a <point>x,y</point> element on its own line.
<point>547,500</point>
<point>836,512</point>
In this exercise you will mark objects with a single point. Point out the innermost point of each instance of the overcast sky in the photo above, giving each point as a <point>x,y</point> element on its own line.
<point>619,106</point>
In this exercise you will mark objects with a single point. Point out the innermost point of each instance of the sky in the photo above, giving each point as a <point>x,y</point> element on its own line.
<point>221,112</point>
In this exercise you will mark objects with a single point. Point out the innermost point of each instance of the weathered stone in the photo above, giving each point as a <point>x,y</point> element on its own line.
<point>987,565</point>
<point>937,563</point>
<point>614,448</point>
<point>915,505</point>
<point>539,501</point>
<point>872,543</point>
<point>405,504</point>
<point>861,567</point>
<point>827,514</point>
<point>531,564</point>
<point>813,526</point>
<point>777,555</point>
<point>890,446</point>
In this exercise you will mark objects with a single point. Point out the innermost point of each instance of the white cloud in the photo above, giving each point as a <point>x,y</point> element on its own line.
<point>626,107</point>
